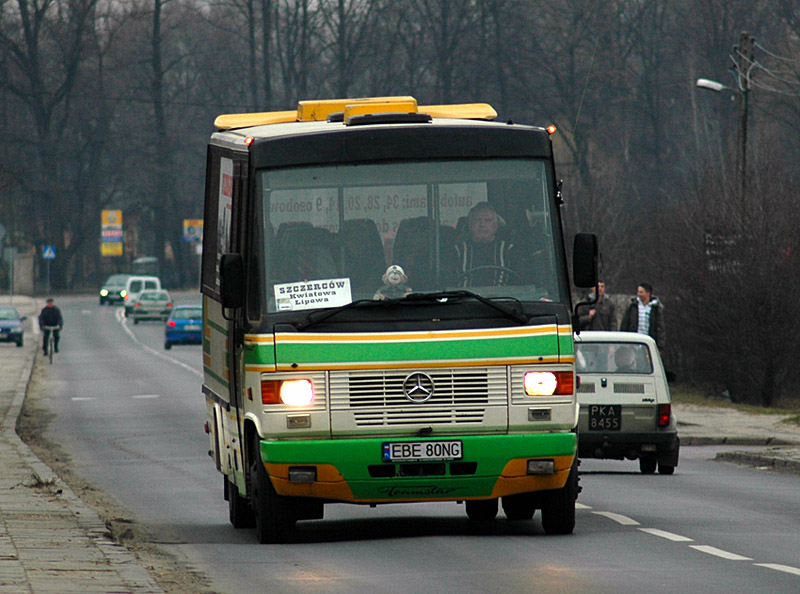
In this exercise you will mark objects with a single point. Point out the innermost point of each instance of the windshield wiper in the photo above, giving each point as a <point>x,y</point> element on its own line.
<point>313,319</point>
<point>443,296</point>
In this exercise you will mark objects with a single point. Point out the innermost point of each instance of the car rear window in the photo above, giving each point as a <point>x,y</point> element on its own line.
<point>613,357</point>
<point>188,314</point>
<point>8,313</point>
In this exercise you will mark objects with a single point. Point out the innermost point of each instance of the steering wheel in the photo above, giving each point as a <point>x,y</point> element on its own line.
<point>469,273</point>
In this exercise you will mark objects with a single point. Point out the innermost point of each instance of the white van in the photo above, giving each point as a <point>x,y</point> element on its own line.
<point>625,404</point>
<point>134,287</point>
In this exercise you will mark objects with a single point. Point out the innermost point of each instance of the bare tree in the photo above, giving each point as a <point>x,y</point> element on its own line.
<point>43,46</point>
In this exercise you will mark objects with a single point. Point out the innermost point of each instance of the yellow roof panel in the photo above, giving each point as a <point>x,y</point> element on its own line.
<point>315,111</point>
<point>229,121</point>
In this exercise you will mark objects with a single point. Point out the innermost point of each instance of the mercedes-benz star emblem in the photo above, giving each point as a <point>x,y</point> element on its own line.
<point>418,387</point>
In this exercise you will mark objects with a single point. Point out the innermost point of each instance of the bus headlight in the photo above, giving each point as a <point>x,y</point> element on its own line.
<point>297,392</point>
<point>548,383</point>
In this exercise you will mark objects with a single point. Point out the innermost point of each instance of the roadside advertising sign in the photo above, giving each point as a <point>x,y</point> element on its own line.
<point>111,233</point>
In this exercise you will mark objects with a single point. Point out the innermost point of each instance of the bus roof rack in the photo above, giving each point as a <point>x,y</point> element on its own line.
<point>322,110</point>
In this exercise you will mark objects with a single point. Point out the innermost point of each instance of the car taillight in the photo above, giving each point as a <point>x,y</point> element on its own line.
<point>138,304</point>
<point>169,305</point>
<point>664,415</point>
<point>171,323</point>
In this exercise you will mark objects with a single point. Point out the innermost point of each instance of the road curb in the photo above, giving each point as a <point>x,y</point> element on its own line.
<point>761,460</point>
<point>736,440</point>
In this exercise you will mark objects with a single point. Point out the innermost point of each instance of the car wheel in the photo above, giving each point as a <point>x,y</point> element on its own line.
<point>274,517</point>
<point>647,464</point>
<point>135,320</point>
<point>558,511</point>
<point>519,507</point>
<point>239,512</point>
<point>482,510</point>
<point>665,469</point>
<point>19,342</point>
<point>167,345</point>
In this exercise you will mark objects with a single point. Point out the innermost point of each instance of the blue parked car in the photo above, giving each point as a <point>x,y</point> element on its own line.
<point>11,325</point>
<point>184,326</point>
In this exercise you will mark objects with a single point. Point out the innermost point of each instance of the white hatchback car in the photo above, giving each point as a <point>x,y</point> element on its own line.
<point>625,404</point>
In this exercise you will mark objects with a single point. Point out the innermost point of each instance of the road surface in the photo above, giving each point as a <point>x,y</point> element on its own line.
<point>131,416</point>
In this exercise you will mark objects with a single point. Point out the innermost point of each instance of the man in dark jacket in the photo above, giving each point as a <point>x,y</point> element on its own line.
<point>602,315</point>
<point>645,315</point>
<point>50,316</point>
<point>483,258</point>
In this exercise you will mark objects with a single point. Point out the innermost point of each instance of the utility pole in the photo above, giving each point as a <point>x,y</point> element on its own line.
<point>743,62</point>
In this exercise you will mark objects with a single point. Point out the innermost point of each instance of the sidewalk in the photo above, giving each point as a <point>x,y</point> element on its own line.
<point>50,541</point>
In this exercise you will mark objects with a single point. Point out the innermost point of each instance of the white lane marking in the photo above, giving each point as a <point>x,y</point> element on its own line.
<point>82,398</point>
<point>779,567</point>
<point>619,518</point>
<point>720,553</point>
<point>86,312</point>
<point>582,506</point>
<point>120,313</point>
<point>145,396</point>
<point>667,535</point>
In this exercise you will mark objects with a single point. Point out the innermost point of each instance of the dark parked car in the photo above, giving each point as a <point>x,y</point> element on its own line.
<point>185,326</point>
<point>113,290</point>
<point>11,325</point>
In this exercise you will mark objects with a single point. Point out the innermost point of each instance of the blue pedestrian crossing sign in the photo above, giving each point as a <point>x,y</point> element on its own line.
<point>49,252</point>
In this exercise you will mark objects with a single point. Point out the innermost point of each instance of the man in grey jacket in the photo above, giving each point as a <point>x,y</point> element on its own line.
<point>602,315</point>
<point>645,315</point>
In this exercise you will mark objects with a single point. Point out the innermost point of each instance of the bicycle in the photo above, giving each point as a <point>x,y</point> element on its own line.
<point>51,340</point>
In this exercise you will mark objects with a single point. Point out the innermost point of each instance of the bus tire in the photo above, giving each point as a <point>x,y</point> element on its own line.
<point>273,513</point>
<point>519,507</point>
<point>239,511</point>
<point>482,510</point>
<point>558,509</point>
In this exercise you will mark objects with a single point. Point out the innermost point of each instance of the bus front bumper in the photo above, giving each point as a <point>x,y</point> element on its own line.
<point>353,470</point>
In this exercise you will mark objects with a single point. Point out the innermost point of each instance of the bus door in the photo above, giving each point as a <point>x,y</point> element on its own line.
<point>223,335</point>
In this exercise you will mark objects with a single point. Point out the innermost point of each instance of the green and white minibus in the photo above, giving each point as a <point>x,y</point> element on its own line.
<point>364,342</point>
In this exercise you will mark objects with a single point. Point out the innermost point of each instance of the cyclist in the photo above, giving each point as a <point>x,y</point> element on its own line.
<point>49,317</point>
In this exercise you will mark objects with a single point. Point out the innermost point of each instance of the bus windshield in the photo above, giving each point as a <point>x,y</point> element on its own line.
<point>336,234</point>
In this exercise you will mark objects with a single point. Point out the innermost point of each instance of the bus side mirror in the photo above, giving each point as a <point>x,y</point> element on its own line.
<point>584,260</point>
<point>231,281</point>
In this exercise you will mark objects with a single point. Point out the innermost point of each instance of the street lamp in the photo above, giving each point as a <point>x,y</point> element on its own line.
<point>743,94</point>
<point>743,63</point>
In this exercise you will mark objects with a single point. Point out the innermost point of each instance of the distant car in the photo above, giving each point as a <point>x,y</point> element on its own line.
<point>625,403</point>
<point>113,290</point>
<point>184,326</point>
<point>11,329</point>
<point>134,287</point>
<point>152,305</point>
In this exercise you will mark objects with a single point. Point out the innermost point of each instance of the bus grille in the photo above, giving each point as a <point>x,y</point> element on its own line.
<point>461,396</point>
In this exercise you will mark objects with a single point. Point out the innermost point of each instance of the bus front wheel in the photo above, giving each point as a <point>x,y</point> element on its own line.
<point>558,512</point>
<point>274,518</point>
